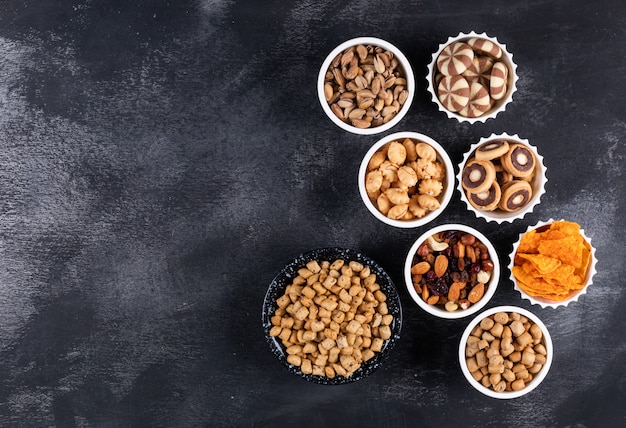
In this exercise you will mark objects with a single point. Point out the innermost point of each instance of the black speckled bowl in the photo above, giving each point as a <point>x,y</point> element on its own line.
<point>286,275</point>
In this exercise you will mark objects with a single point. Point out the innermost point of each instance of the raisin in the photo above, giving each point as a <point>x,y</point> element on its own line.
<point>448,234</point>
<point>464,276</point>
<point>430,276</point>
<point>439,288</point>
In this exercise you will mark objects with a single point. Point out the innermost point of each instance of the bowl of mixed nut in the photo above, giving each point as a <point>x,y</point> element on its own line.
<point>366,85</point>
<point>502,178</point>
<point>505,352</point>
<point>472,77</point>
<point>452,271</point>
<point>332,316</point>
<point>406,179</point>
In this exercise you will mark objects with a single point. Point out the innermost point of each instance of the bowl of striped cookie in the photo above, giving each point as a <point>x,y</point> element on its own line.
<point>472,77</point>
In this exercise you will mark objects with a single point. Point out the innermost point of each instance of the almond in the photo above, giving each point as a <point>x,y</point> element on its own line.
<point>441,265</point>
<point>455,291</point>
<point>477,293</point>
<point>420,268</point>
<point>432,300</point>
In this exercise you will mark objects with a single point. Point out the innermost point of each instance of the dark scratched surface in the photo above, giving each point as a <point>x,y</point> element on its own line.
<point>160,161</point>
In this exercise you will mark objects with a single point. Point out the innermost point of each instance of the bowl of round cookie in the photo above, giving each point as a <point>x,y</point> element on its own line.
<point>366,85</point>
<point>406,179</point>
<point>505,352</point>
<point>501,178</point>
<point>553,263</point>
<point>472,77</point>
<point>452,271</point>
<point>332,316</point>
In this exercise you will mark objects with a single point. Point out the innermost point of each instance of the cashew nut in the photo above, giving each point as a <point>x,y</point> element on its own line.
<point>435,245</point>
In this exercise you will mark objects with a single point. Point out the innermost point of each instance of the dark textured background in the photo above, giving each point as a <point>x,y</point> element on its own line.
<point>160,161</point>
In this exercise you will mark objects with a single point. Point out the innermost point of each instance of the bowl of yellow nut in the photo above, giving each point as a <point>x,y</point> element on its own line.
<point>505,352</point>
<point>472,77</point>
<point>366,85</point>
<point>406,179</point>
<point>332,316</point>
<point>452,271</point>
<point>502,178</point>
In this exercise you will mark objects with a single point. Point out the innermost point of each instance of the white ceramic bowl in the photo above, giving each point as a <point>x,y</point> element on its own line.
<point>537,379</point>
<point>408,75</point>
<point>538,183</point>
<point>444,197</point>
<point>439,311</point>
<point>573,296</point>
<point>499,105</point>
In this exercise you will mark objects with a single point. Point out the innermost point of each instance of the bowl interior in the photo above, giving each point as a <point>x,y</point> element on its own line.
<point>448,182</point>
<point>538,378</point>
<point>434,309</point>
<point>286,275</point>
<point>404,64</point>
<point>498,105</point>
<point>574,295</point>
<point>538,182</point>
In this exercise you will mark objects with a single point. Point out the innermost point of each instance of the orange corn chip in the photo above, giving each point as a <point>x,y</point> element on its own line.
<point>538,287</point>
<point>568,250</point>
<point>529,242</point>
<point>554,234</point>
<point>586,258</point>
<point>567,227</point>
<point>543,264</point>
<point>552,262</point>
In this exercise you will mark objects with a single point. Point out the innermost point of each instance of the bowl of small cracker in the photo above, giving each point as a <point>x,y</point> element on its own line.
<point>332,315</point>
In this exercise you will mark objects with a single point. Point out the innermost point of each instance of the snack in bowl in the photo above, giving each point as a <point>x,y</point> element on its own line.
<point>505,352</point>
<point>452,271</point>
<point>472,77</point>
<point>365,85</point>
<point>405,179</point>
<point>502,178</point>
<point>331,315</point>
<point>553,262</point>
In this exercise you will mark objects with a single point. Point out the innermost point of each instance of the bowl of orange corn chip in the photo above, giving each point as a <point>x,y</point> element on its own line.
<point>553,263</point>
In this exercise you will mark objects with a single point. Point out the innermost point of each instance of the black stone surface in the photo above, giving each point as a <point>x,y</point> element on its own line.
<point>161,161</point>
